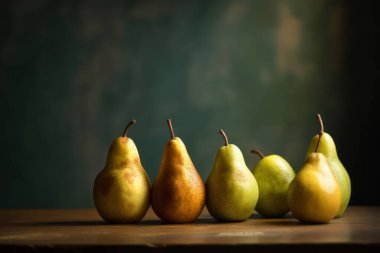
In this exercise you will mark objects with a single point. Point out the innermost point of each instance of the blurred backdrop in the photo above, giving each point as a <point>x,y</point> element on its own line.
<point>74,73</point>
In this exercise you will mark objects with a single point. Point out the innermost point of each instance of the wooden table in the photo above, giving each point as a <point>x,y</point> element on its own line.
<point>84,231</point>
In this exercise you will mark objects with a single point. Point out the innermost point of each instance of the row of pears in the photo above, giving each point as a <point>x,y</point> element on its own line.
<point>319,192</point>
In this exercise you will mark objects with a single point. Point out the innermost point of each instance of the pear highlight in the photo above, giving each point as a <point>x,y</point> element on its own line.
<point>121,189</point>
<point>178,192</point>
<point>231,188</point>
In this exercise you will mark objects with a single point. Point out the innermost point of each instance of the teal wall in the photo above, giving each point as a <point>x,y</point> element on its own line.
<point>73,74</point>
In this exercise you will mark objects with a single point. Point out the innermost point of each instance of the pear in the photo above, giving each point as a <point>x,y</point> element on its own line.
<point>231,189</point>
<point>273,175</point>
<point>327,147</point>
<point>121,189</point>
<point>178,192</point>
<point>314,194</point>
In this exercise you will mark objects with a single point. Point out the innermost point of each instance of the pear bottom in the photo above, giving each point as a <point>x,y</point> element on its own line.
<point>309,203</point>
<point>232,200</point>
<point>179,203</point>
<point>121,196</point>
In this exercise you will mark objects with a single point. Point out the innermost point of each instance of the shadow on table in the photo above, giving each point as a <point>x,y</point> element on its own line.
<point>160,222</point>
<point>257,219</point>
<point>287,220</point>
<point>103,223</point>
<point>67,223</point>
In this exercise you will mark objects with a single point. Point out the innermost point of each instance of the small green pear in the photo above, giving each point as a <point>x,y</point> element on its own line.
<point>273,175</point>
<point>314,194</point>
<point>121,190</point>
<point>231,188</point>
<point>328,148</point>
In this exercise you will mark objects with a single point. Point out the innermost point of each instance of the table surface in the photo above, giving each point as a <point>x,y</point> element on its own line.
<point>83,229</point>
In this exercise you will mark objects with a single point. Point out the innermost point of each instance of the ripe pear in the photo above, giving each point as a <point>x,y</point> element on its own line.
<point>231,188</point>
<point>328,148</point>
<point>178,192</point>
<point>273,175</point>
<point>314,194</point>
<point>122,188</point>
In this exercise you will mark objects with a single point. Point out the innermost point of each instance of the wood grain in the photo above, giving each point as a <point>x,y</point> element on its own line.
<point>83,230</point>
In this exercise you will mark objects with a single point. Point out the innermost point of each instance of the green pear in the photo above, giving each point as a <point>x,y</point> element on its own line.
<point>121,190</point>
<point>328,148</point>
<point>273,175</point>
<point>314,194</point>
<point>231,188</point>
<point>178,192</point>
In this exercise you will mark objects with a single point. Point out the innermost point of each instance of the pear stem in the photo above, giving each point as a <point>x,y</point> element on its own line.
<point>169,121</point>
<point>224,137</point>
<point>319,118</point>
<point>126,128</point>
<point>257,152</point>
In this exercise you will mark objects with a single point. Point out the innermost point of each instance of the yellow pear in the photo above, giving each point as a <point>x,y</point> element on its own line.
<point>122,188</point>
<point>178,192</point>
<point>314,195</point>
<point>328,148</point>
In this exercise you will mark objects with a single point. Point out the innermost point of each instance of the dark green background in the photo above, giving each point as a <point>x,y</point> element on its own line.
<point>74,73</point>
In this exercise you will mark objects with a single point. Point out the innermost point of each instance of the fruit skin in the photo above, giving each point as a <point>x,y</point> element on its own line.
<point>178,192</point>
<point>328,148</point>
<point>273,175</point>
<point>232,190</point>
<point>314,195</point>
<point>121,189</point>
